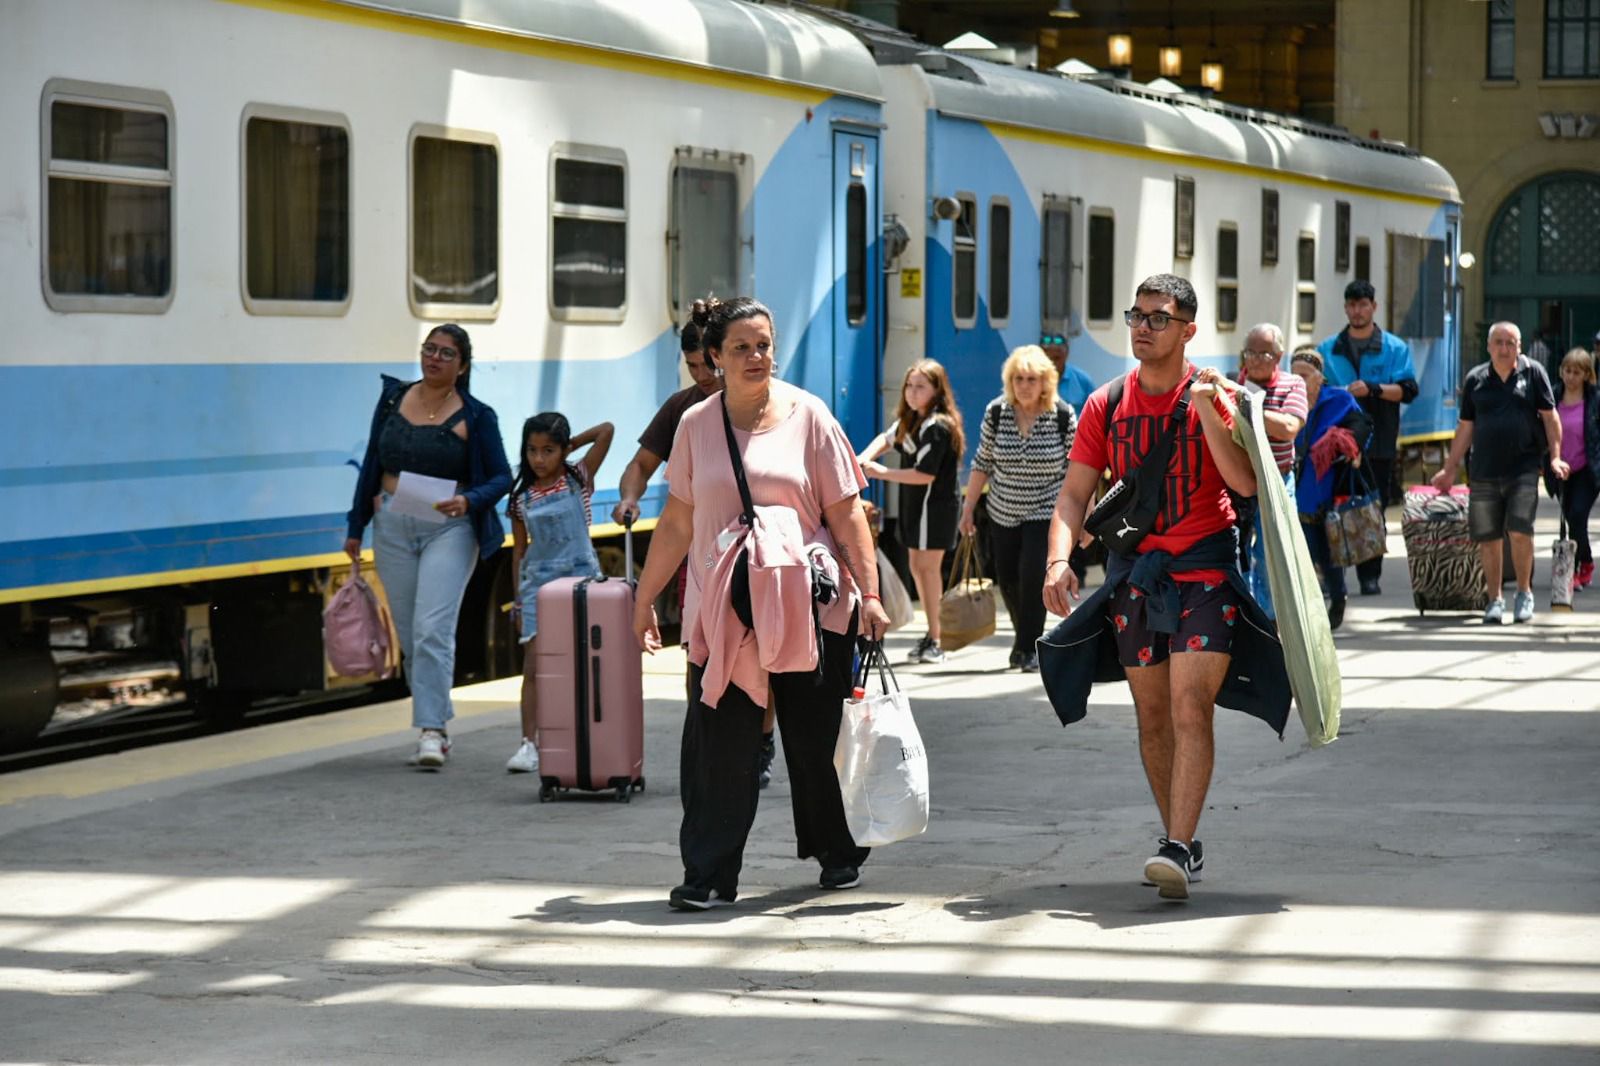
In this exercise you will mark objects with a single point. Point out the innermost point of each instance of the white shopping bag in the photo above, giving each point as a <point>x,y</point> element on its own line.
<point>882,766</point>
<point>893,595</point>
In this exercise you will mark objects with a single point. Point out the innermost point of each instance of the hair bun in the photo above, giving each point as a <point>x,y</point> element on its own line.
<point>704,310</point>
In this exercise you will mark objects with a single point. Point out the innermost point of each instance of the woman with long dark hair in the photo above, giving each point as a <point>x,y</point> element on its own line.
<point>434,427</point>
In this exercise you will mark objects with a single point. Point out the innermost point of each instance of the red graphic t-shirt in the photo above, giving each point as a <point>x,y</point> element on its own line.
<point>1196,503</point>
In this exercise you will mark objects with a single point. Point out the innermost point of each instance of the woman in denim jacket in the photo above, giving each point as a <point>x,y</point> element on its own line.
<point>432,426</point>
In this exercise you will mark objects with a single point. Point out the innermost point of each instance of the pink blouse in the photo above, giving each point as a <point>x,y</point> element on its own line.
<point>804,462</point>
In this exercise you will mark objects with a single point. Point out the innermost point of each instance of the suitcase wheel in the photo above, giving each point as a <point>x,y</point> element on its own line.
<point>547,793</point>
<point>638,786</point>
<point>623,795</point>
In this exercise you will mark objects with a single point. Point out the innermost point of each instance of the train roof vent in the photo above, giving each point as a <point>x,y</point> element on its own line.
<point>947,66</point>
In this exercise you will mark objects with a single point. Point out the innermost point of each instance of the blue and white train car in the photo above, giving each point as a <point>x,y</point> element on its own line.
<point>1035,203</point>
<point>239,212</point>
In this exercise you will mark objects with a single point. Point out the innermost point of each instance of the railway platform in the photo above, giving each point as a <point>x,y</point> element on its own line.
<point>1422,891</point>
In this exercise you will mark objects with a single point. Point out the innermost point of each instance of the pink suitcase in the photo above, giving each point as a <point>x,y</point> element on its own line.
<point>589,677</point>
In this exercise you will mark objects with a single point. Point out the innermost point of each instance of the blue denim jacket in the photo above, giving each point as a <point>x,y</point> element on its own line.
<point>489,475</point>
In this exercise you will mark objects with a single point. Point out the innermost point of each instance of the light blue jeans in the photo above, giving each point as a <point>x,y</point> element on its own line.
<point>424,569</point>
<point>1257,577</point>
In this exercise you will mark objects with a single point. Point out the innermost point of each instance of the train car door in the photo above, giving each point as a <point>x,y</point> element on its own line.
<point>858,294</point>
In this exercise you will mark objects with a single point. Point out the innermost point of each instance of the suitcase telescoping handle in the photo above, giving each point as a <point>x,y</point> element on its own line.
<point>627,548</point>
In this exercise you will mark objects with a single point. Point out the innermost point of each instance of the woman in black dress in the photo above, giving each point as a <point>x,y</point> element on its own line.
<point>927,434</point>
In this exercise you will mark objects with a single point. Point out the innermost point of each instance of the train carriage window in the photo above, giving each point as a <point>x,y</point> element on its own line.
<point>1227,276</point>
<point>455,224</point>
<point>1055,274</point>
<point>999,261</point>
<point>964,252</point>
<point>1269,227</point>
<point>588,234</point>
<point>1341,236</point>
<point>855,250</point>
<point>1102,256</point>
<point>1364,259</point>
<point>1416,285</point>
<point>703,227</point>
<point>1183,218</point>
<point>296,223</point>
<point>108,216</point>
<point>1305,316</point>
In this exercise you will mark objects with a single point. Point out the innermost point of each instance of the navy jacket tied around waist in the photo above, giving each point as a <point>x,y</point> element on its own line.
<point>1082,650</point>
<point>489,473</point>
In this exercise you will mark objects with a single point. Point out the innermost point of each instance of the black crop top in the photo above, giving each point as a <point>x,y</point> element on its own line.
<point>435,451</point>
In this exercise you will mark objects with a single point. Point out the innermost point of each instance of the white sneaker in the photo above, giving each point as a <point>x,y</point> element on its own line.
<point>432,749</point>
<point>525,761</point>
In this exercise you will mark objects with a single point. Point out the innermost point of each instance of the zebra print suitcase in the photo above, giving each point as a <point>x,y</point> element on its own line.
<point>1446,572</point>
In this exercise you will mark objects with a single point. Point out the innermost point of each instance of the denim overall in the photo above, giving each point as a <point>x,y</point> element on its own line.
<point>558,546</point>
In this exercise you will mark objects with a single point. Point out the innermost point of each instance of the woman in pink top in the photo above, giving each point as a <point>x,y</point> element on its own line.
<point>1579,409</point>
<point>795,455</point>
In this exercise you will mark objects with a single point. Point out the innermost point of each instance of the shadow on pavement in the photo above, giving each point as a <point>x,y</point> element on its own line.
<point>575,910</point>
<point>1112,904</point>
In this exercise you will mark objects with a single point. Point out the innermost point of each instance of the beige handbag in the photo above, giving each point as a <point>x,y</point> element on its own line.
<point>966,610</point>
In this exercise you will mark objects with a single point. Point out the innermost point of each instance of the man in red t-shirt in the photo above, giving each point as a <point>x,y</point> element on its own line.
<point>1174,677</point>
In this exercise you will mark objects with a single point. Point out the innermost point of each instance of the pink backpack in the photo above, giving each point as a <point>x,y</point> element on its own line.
<point>355,629</point>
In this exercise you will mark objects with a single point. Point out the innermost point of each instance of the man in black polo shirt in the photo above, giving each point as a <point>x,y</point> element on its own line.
<point>1376,367</point>
<point>1503,403</point>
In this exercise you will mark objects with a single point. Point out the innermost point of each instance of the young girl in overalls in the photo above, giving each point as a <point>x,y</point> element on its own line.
<point>550,518</point>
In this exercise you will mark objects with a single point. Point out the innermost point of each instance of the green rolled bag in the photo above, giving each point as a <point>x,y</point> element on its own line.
<point>1309,654</point>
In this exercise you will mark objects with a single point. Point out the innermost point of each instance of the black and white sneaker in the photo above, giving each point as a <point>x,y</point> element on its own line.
<point>764,767</point>
<point>837,877</point>
<point>915,655</point>
<point>932,653</point>
<point>1197,860</point>
<point>1169,870</point>
<point>695,898</point>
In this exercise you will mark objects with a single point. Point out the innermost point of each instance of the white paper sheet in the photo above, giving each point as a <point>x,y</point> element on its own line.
<point>416,494</point>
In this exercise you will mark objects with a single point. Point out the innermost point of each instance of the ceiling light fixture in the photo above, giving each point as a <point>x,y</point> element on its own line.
<point>1171,56</point>
<point>1211,69</point>
<point>1064,10</point>
<point>1119,50</point>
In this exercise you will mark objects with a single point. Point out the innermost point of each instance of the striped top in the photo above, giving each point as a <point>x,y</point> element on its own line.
<point>523,502</point>
<point>1025,473</point>
<point>1285,394</point>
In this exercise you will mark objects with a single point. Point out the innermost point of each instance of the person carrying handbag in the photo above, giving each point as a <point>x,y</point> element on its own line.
<point>1329,408</point>
<point>798,468</point>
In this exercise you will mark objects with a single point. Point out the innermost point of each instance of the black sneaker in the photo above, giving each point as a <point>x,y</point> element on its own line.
<point>915,655</point>
<point>1016,658</point>
<point>840,877</point>
<point>764,768</point>
<point>1336,613</point>
<point>1369,587</point>
<point>696,898</point>
<point>1169,870</point>
<point>932,653</point>
<point>1197,860</point>
<point>1029,663</point>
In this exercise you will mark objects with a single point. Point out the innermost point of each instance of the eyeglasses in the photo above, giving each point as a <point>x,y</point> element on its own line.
<point>434,351</point>
<point>1156,320</point>
<point>1251,353</point>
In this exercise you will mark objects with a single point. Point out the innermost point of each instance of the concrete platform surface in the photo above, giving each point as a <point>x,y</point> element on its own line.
<point>1423,891</point>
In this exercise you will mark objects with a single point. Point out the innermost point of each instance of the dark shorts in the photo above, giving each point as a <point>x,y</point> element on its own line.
<point>1208,617</point>
<point>1502,505</point>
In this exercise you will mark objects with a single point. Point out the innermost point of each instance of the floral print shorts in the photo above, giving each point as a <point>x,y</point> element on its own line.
<point>1209,614</point>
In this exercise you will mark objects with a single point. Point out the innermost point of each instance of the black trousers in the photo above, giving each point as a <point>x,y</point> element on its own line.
<point>1578,496</point>
<point>721,755</point>
<point>1019,565</point>
<point>1382,473</point>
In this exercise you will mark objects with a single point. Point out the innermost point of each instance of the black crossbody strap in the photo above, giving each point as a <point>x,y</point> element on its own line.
<point>738,465</point>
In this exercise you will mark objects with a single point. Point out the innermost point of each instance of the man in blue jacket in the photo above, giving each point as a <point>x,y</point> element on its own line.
<point>1376,367</point>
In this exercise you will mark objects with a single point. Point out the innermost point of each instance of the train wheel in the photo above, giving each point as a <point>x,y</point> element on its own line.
<point>28,694</point>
